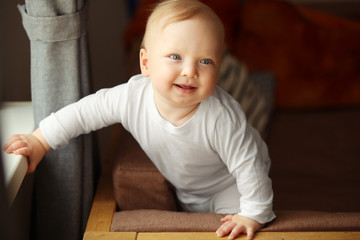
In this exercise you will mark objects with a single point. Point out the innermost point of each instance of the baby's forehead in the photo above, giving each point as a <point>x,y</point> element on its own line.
<point>160,19</point>
<point>170,36</point>
<point>158,25</point>
<point>164,20</point>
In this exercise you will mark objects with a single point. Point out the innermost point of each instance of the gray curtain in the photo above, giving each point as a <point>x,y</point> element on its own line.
<point>65,179</point>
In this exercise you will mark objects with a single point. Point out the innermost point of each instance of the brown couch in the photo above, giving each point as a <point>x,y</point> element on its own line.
<point>313,132</point>
<point>315,172</point>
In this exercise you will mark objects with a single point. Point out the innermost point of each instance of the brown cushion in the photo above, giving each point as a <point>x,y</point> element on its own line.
<point>164,221</point>
<point>292,221</point>
<point>137,182</point>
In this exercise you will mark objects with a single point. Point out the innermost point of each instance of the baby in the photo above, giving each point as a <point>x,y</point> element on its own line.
<point>194,132</point>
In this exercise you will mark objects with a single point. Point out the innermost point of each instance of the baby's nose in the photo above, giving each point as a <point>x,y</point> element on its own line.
<point>189,70</point>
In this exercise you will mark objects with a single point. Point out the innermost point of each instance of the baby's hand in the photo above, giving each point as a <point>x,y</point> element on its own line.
<point>234,225</point>
<point>32,145</point>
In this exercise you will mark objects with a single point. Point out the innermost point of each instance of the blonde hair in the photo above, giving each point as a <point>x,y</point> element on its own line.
<point>171,11</point>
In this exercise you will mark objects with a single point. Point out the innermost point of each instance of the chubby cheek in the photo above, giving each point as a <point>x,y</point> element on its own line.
<point>160,85</point>
<point>210,85</point>
<point>163,77</point>
<point>209,91</point>
<point>159,70</point>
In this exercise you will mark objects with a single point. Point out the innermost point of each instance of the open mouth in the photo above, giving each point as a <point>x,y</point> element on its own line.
<point>185,88</point>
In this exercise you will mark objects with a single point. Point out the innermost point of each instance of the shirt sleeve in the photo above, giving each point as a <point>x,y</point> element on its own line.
<point>246,156</point>
<point>88,114</point>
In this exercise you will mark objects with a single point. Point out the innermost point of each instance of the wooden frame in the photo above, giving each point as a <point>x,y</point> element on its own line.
<point>104,204</point>
<point>104,207</point>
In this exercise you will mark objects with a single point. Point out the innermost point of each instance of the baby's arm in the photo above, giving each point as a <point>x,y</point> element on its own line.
<point>34,146</point>
<point>246,156</point>
<point>234,225</point>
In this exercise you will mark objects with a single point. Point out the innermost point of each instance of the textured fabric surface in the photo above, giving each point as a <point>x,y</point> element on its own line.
<point>65,179</point>
<point>293,221</point>
<point>56,28</point>
<point>286,221</point>
<point>255,97</point>
<point>164,221</point>
<point>137,183</point>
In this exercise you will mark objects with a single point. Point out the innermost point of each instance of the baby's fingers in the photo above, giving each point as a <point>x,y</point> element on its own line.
<point>8,144</point>
<point>237,230</point>
<point>250,233</point>
<point>23,151</point>
<point>14,143</point>
<point>225,229</point>
<point>226,218</point>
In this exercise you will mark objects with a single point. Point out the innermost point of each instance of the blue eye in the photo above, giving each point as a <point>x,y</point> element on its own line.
<point>205,61</point>
<point>175,57</point>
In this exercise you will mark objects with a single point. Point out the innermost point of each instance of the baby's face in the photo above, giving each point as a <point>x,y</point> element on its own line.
<point>183,61</point>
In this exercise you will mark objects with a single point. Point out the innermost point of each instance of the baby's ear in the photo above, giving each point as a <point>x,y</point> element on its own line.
<point>144,63</point>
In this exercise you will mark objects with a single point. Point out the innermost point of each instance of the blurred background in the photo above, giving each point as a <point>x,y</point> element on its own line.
<point>109,66</point>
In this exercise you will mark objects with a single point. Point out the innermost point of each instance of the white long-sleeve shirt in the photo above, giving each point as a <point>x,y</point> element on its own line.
<point>210,152</point>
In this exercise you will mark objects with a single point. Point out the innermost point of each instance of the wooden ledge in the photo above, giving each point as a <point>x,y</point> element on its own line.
<point>212,236</point>
<point>109,236</point>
